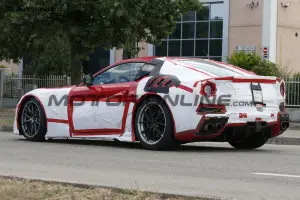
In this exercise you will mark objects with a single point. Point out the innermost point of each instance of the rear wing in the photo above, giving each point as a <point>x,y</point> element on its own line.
<point>208,87</point>
<point>254,79</point>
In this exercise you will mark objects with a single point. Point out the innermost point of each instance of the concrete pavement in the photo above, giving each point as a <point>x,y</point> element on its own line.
<point>291,133</point>
<point>295,126</point>
<point>201,169</point>
<point>289,137</point>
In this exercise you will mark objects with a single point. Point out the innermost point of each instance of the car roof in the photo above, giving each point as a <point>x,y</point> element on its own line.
<point>146,59</point>
<point>149,58</point>
<point>176,58</point>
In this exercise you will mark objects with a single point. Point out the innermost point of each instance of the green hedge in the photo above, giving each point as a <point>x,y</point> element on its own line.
<point>253,62</point>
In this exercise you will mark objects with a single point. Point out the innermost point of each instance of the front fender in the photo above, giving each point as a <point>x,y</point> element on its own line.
<point>54,102</point>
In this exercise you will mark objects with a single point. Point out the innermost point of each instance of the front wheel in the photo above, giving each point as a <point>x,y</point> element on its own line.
<point>32,121</point>
<point>253,142</point>
<point>154,125</point>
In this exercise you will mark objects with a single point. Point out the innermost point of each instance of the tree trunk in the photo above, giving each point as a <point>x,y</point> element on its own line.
<point>130,51</point>
<point>75,67</point>
<point>126,54</point>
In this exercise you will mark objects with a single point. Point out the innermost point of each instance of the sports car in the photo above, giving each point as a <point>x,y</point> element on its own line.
<point>160,102</point>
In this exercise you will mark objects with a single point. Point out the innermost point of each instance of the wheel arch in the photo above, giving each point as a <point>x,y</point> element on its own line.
<point>139,102</point>
<point>21,104</point>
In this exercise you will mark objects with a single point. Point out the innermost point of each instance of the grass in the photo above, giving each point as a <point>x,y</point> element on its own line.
<point>5,111</point>
<point>22,189</point>
<point>7,116</point>
<point>7,121</point>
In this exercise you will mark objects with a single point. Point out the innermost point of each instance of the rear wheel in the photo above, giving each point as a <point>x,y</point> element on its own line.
<point>253,142</point>
<point>154,125</point>
<point>32,121</point>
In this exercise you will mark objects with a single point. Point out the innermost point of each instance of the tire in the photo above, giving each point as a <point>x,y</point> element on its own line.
<point>253,142</point>
<point>35,121</point>
<point>164,138</point>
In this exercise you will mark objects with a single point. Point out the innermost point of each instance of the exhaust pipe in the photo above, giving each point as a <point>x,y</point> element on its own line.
<point>208,127</point>
<point>283,125</point>
<point>218,127</point>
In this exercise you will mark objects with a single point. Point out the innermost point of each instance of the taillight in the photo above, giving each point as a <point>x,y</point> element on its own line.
<point>208,89</point>
<point>282,89</point>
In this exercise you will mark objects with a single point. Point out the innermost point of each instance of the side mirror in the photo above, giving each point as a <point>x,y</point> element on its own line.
<point>87,79</point>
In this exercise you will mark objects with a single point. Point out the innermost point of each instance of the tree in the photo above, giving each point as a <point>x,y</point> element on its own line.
<point>87,23</point>
<point>53,58</point>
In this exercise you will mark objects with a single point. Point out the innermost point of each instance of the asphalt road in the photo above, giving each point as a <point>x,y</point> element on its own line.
<point>205,169</point>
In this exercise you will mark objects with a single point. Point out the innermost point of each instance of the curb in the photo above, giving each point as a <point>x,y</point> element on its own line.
<point>284,141</point>
<point>294,126</point>
<point>6,128</point>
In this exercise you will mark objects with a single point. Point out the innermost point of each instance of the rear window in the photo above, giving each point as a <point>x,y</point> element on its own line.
<point>211,68</point>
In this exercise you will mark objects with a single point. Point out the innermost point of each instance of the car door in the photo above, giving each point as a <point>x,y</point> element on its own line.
<point>101,108</point>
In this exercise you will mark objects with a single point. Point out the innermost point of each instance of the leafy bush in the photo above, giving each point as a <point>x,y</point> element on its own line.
<point>266,68</point>
<point>2,66</point>
<point>244,60</point>
<point>253,62</point>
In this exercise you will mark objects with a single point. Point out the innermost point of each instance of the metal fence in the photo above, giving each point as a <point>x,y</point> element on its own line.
<point>292,89</point>
<point>15,85</point>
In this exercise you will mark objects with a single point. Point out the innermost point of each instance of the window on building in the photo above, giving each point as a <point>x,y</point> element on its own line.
<point>197,34</point>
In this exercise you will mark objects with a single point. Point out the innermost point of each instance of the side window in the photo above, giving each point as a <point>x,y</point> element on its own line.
<point>119,74</point>
<point>145,70</point>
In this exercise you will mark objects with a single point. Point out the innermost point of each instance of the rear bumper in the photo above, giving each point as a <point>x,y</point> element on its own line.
<point>224,128</point>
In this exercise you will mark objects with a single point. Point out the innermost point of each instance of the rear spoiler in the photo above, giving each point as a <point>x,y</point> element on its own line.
<point>256,79</point>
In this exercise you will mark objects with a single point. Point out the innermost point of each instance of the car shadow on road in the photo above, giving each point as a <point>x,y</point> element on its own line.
<point>209,149</point>
<point>191,147</point>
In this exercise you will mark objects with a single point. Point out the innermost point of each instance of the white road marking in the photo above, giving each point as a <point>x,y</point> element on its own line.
<point>280,175</point>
